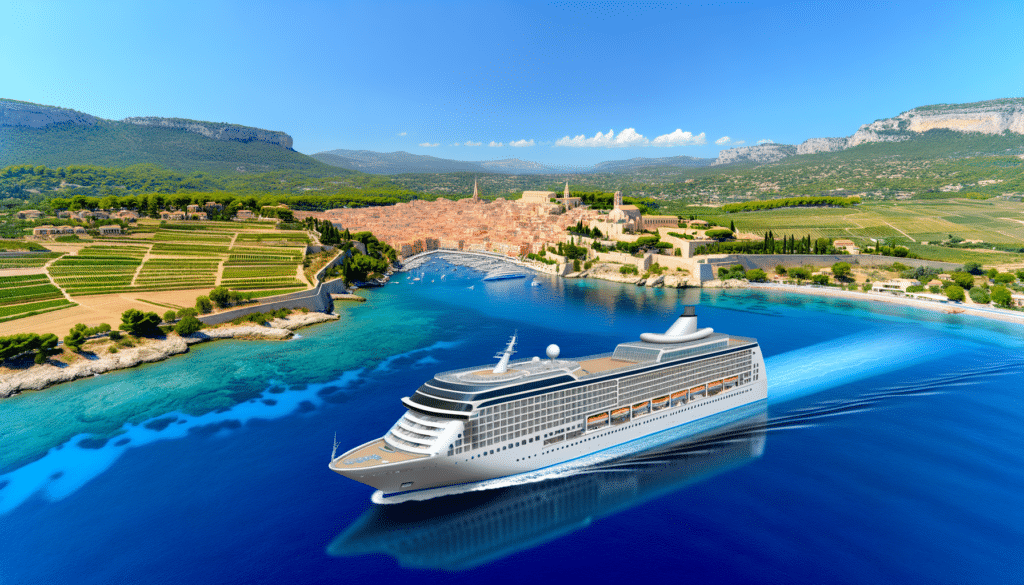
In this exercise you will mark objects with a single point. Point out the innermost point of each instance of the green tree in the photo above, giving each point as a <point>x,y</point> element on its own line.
<point>188,325</point>
<point>979,295</point>
<point>1002,296</point>
<point>221,296</point>
<point>841,270</point>
<point>47,346</point>
<point>821,279</point>
<point>138,323</point>
<point>954,293</point>
<point>972,268</point>
<point>1004,278</point>
<point>182,313</point>
<point>800,273</point>
<point>756,275</point>
<point>75,338</point>
<point>780,270</point>
<point>203,304</point>
<point>963,279</point>
<point>170,315</point>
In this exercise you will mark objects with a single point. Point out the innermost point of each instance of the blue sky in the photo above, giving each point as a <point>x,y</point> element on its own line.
<point>542,79</point>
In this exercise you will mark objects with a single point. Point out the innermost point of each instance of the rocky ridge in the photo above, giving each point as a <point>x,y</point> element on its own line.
<point>217,131</point>
<point>989,117</point>
<point>15,113</point>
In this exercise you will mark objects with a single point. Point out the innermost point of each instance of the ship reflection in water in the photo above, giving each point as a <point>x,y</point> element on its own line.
<point>468,530</point>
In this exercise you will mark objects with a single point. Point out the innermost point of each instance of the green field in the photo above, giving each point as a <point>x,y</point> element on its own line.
<point>906,223</point>
<point>23,296</point>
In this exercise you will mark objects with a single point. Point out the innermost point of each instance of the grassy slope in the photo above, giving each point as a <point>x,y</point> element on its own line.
<point>116,144</point>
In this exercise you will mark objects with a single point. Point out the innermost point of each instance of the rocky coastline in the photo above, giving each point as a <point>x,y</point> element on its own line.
<point>38,377</point>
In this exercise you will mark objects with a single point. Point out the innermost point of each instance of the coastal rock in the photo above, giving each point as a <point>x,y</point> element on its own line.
<point>216,131</point>
<point>656,281</point>
<point>300,320</point>
<point>39,377</point>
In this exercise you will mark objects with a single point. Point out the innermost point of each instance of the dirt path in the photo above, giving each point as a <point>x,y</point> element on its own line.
<point>46,268</point>
<point>138,270</point>
<point>900,231</point>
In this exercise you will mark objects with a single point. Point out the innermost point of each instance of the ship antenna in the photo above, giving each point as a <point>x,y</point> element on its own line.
<point>502,366</point>
<point>334,450</point>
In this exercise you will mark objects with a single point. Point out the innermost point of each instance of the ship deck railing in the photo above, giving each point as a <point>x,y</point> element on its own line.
<point>517,367</point>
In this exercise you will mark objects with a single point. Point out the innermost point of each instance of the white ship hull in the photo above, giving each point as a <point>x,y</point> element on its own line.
<point>533,419</point>
<point>466,472</point>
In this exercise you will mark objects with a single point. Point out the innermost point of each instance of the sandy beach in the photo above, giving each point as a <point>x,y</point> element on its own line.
<point>958,308</point>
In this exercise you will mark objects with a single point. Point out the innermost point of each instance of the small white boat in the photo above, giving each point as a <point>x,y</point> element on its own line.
<point>534,283</point>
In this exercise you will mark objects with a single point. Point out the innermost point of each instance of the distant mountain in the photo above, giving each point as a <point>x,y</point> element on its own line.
<point>393,163</point>
<point>401,162</point>
<point>632,164</point>
<point>1002,120</point>
<point>515,166</point>
<point>46,135</point>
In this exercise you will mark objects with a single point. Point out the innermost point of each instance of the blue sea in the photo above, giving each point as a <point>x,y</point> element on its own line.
<point>891,450</point>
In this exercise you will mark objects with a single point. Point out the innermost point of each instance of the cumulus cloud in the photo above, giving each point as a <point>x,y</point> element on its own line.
<point>723,140</point>
<point>495,144</point>
<point>522,143</point>
<point>766,141</point>
<point>402,133</point>
<point>471,143</point>
<point>429,145</point>
<point>679,138</point>
<point>628,137</point>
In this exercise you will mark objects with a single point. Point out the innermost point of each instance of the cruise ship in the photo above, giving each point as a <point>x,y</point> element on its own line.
<point>474,425</point>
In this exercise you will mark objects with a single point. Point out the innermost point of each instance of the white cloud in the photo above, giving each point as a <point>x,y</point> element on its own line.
<point>723,140</point>
<point>495,144</point>
<point>402,133</point>
<point>471,143</point>
<point>740,142</point>
<point>766,141</point>
<point>628,137</point>
<point>679,138</point>
<point>429,145</point>
<point>522,143</point>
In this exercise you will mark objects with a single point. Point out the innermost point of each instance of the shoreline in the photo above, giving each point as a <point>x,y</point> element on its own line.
<point>954,309</point>
<point>41,376</point>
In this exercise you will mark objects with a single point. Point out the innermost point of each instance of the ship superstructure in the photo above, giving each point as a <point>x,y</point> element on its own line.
<point>477,424</point>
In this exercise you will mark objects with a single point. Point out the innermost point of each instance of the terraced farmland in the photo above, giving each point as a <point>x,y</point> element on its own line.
<point>34,260</point>
<point>175,274</point>
<point>23,296</point>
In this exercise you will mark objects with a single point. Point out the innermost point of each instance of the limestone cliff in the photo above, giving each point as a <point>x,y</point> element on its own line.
<point>761,153</point>
<point>217,131</point>
<point>15,113</point>
<point>990,117</point>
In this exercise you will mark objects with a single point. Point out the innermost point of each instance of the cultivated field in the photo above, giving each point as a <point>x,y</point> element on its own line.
<point>183,259</point>
<point>908,223</point>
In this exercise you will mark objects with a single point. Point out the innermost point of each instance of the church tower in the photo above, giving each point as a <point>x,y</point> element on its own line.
<point>618,199</point>
<point>565,194</point>
<point>476,192</point>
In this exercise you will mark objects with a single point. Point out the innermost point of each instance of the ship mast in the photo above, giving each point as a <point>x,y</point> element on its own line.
<point>502,366</point>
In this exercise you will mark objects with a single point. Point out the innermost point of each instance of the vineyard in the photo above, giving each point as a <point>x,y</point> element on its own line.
<point>23,296</point>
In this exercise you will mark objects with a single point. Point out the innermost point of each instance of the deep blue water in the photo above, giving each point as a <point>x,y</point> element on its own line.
<point>892,450</point>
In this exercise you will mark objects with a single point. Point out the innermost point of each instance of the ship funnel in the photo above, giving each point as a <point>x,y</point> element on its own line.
<point>683,330</point>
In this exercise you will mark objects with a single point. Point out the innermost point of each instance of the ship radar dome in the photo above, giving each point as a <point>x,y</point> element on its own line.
<point>553,351</point>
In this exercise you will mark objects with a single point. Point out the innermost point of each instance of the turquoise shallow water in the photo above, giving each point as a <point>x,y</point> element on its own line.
<point>889,451</point>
